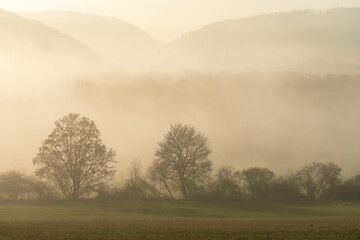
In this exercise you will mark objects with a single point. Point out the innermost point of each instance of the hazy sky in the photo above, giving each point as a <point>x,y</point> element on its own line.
<point>168,19</point>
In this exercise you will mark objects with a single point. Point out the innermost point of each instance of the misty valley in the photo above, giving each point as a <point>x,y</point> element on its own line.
<point>243,129</point>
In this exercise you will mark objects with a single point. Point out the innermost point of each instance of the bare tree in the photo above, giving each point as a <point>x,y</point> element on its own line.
<point>316,177</point>
<point>331,174</point>
<point>137,186</point>
<point>227,183</point>
<point>349,189</point>
<point>257,181</point>
<point>286,188</point>
<point>74,158</point>
<point>13,184</point>
<point>16,185</point>
<point>184,151</point>
<point>160,176</point>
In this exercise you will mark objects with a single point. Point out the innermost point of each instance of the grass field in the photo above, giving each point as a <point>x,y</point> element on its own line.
<point>127,219</point>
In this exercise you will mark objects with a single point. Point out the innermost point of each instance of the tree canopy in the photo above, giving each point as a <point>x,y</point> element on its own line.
<point>74,158</point>
<point>184,153</point>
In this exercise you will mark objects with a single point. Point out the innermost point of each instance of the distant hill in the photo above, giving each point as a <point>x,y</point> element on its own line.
<point>121,42</point>
<point>301,41</point>
<point>307,41</point>
<point>31,49</point>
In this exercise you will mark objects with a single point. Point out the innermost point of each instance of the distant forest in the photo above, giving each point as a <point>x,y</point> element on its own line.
<point>245,101</point>
<point>316,181</point>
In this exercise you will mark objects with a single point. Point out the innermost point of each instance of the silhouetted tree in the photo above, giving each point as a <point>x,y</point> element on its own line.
<point>185,152</point>
<point>137,186</point>
<point>74,158</point>
<point>350,189</point>
<point>227,183</point>
<point>331,174</point>
<point>316,177</point>
<point>257,181</point>
<point>15,185</point>
<point>286,188</point>
<point>159,175</point>
<point>43,190</point>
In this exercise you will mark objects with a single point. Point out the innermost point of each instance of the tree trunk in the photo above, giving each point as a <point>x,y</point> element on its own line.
<point>76,190</point>
<point>171,196</point>
<point>75,195</point>
<point>183,187</point>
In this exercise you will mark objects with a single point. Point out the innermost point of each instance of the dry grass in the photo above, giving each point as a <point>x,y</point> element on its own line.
<point>179,220</point>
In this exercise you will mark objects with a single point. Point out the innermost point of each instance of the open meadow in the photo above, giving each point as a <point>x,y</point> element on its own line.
<point>126,219</point>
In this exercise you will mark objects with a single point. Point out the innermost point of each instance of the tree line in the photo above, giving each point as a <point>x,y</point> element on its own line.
<point>73,163</point>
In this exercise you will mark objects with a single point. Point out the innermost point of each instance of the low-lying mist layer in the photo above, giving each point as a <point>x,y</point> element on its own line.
<point>278,121</point>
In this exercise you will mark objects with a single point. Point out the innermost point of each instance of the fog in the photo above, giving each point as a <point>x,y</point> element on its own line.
<point>301,41</point>
<point>278,121</point>
<point>121,43</point>
<point>282,97</point>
